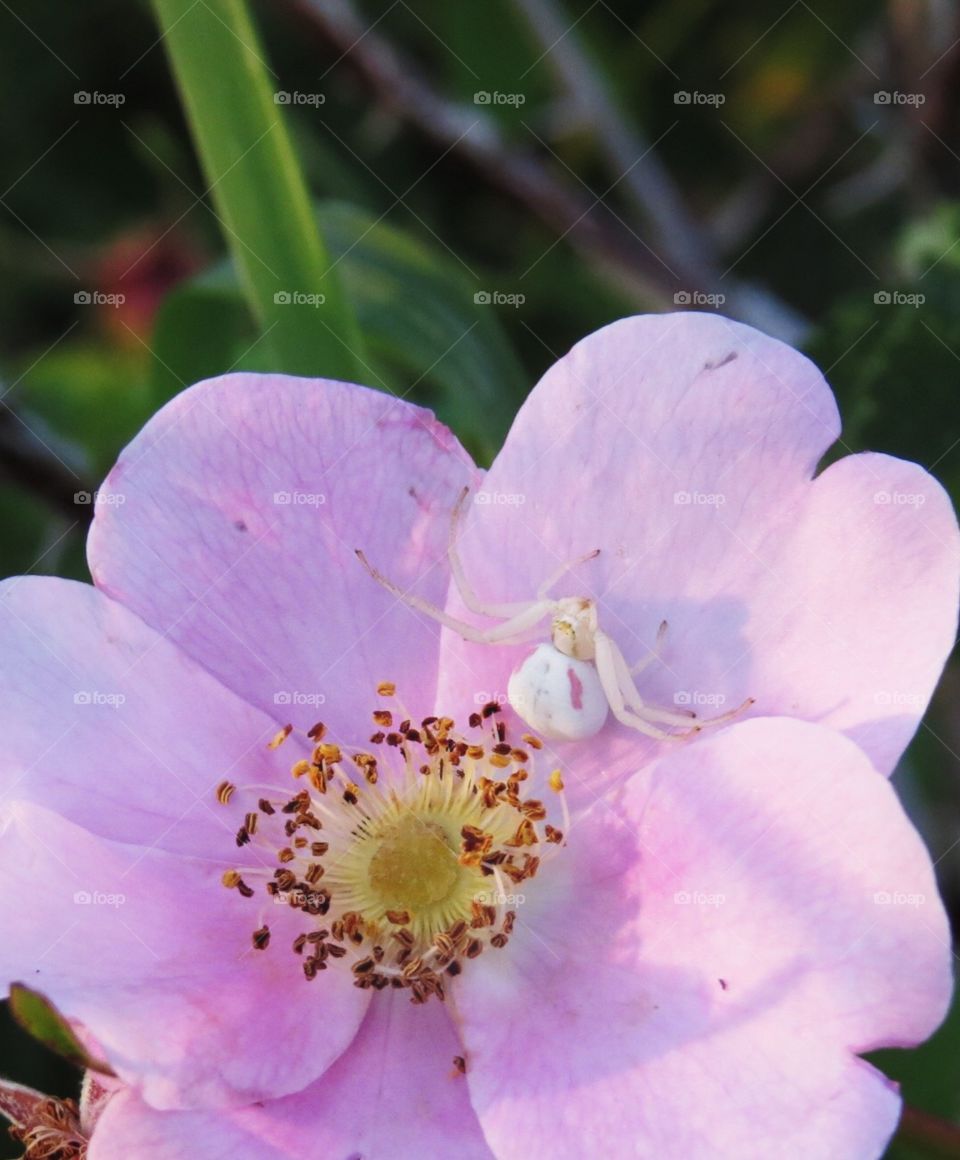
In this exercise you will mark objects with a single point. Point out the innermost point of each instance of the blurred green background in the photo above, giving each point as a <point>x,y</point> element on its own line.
<point>492,181</point>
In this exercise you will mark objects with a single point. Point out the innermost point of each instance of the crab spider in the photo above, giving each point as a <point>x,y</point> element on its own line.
<point>567,686</point>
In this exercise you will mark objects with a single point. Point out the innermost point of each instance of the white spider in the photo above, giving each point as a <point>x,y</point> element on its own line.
<point>566,687</point>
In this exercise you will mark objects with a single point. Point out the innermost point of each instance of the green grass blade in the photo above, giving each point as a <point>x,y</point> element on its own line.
<point>258,188</point>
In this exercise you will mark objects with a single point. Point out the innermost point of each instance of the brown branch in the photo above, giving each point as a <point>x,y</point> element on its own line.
<point>25,460</point>
<point>607,243</point>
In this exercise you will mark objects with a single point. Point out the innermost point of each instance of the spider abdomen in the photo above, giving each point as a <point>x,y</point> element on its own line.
<point>558,696</point>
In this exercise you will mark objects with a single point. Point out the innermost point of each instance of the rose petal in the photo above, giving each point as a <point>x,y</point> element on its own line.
<point>244,501</point>
<point>108,723</point>
<point>683,447</point>
<point>707,954</point>
<point>394,1094</point>
<point>154,957</point>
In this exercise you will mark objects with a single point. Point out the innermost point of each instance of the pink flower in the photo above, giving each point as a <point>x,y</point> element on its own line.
<point>691,977</point>
<point>688,964</point>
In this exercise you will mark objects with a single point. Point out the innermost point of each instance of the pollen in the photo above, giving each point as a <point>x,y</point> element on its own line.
<point>401,856</point>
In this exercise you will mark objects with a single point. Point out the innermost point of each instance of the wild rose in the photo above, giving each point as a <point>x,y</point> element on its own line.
<point>139,788</point>
<point>690,976</point>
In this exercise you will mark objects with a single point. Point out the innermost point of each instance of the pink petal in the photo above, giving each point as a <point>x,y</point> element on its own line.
<point>832,600</point>
<point>708,954</point>
<point>154,957</point>
<point>108,723</point>
<point>394,1094</point>
<point>269,595</point>
<point>130,1128</point>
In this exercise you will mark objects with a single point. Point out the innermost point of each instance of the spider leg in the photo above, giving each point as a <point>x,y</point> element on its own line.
<point>652,653</point>
<point>464,587</point>
<point>605,661</point>
<point>635,702</point>
<point>563,570</point>
<point>510,631</point>
<point>729,715</point>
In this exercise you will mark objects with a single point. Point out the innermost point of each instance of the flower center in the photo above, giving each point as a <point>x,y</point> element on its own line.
<point>413,867</point>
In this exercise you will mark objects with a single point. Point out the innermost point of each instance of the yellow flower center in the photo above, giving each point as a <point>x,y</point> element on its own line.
<point>414,867</point>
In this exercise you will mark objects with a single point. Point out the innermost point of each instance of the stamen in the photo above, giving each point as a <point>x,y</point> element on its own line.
<point>280,737</point>
<point>411,875</point>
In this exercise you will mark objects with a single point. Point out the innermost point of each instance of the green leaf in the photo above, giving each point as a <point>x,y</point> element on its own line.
<point>202,329</point>
<point>39,1018</point>
<point>428,340</point>
<point>257,186</point>
<point>92,396</point>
